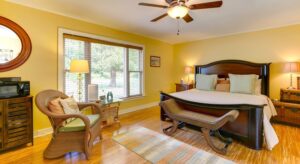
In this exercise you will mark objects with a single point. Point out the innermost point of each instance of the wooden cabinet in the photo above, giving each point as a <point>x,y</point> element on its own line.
<point>183,87</point>
<point>16,127</point>
<point>287,113</point>
<point>288,108</point>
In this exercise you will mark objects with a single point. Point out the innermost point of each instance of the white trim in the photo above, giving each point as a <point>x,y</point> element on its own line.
<point>60,70</point>
<point>42,132</point>
<point>46,131</point>
<point>144,72</point>
<point>60,60</point>
<point>137,108</point>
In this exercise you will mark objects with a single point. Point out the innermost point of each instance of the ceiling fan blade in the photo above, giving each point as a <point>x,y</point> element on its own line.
<point>160,17</point>
<point>206,5</point>
<point>187,18</point>
<point>169,1</point>
<point>153,5</point>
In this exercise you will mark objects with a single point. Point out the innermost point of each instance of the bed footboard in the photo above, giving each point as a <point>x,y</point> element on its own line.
<point>247,128</point>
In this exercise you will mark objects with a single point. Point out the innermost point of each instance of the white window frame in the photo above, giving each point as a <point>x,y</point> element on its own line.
<point>61,67</point>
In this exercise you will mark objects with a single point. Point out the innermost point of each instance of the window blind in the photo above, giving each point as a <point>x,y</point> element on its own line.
<point>114,67</point>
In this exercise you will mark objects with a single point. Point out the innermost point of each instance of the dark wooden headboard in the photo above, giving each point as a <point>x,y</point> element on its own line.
<point>224,67</point>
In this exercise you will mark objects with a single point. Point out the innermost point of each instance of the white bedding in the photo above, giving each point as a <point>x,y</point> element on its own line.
<point>226,98</point>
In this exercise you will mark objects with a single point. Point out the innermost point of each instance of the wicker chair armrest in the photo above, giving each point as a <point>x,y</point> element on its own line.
<point>80,116</point>
<point>83,105</point>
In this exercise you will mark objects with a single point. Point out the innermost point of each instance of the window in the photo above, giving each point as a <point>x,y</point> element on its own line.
<point>113,66</point>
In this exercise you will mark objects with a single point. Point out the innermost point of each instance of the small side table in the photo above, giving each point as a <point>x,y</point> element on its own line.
<point>183,87</point>
<point>110,111</point>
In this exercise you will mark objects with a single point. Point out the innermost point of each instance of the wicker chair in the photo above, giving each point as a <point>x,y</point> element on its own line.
<point>64,141</point>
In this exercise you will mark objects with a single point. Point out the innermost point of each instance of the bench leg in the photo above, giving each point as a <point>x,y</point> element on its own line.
<point>206,133</point>
<point>222,138</point>
<point>172,129</point>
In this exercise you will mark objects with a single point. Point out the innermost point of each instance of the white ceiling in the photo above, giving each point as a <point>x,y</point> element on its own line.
<point>235,16</point>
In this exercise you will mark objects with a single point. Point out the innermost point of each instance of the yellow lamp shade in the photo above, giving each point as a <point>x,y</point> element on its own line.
<point>79,66</point>
<point>292,67</point>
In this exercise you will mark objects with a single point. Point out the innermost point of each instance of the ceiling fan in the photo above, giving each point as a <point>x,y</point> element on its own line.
<point>178,9</point>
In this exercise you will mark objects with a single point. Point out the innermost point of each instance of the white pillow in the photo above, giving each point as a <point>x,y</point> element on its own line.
<point>258,87</point>
<point>243,83</point>
<point>70,107</point>
<point>206,82</point>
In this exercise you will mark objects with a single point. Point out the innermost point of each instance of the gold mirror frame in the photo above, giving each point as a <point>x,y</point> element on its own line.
<point>26,45</point>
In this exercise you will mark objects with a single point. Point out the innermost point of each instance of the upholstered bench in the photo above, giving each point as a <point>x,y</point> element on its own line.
<point>207,123</point>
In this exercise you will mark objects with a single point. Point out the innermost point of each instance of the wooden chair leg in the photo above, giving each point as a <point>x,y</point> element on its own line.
<point>88,153</point>
<point>172,129</point>
<point>100,135</point>
<point>206,133</point>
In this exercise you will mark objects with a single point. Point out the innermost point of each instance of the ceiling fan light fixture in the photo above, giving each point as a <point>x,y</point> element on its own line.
<point>177,12</point>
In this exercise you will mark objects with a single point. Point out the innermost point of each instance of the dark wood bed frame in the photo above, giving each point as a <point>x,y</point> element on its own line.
<point>248,127</point>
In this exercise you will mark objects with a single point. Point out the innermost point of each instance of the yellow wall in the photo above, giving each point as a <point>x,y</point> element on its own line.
<point>274,45</point>
<point>41,67</point>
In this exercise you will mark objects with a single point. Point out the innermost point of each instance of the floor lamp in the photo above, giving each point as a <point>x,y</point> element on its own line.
<point>80,67</point>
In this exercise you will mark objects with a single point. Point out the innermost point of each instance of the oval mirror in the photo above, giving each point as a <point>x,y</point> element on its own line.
<point>15,45</point>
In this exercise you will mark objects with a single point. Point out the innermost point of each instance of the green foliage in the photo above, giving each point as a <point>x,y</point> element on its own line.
<point>105,59</point>
<point>107,66</point>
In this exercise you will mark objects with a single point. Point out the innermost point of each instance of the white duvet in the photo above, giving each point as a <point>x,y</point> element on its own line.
<point>226,98</point>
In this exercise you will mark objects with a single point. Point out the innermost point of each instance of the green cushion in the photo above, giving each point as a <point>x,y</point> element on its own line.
<point>242,83</point>
<point>206,82</point>
<point>78,125</point>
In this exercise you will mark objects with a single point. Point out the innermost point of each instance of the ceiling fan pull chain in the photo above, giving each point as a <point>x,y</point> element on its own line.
<point>178,27</point>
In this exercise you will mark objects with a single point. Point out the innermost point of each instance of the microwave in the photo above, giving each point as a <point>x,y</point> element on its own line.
<point>10,89</point>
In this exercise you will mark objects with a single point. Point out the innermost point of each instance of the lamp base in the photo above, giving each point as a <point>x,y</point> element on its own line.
<point>291,88</point>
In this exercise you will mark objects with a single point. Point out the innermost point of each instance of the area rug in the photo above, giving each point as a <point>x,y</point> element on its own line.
<point>160,148</point>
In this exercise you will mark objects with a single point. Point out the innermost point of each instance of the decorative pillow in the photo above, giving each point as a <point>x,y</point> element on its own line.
<point>55,106</point>
<point>258,87</point>
<point>206,82</point>
<point>223,87</point>
<point>70,107</point>
<point>242,83</point>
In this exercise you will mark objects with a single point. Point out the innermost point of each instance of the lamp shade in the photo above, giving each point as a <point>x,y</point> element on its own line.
<point>292,67</point>
<point>79,66</point>
<point>188,69</point>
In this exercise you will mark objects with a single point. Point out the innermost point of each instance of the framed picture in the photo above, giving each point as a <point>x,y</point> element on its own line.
<point>154,61</point>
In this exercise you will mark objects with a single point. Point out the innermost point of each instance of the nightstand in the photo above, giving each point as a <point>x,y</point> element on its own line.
<point>288,108</point>
<point>183,87</point>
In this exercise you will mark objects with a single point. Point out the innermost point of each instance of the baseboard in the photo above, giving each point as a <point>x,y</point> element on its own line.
<point>137,108</point>
<point>42,132</point>
<point>46,131</point>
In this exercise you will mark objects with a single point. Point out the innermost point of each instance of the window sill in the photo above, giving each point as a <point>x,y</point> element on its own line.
<point>133,98</point>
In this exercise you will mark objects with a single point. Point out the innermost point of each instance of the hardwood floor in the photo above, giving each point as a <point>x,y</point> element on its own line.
<point>108,151</point>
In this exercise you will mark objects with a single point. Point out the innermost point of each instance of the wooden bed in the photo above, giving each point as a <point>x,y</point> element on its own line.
<point>248,127</point>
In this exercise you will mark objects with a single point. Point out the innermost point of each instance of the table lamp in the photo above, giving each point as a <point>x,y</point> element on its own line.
<point>80,67</point>
<point>292,67</point>
<point>188,70</point>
